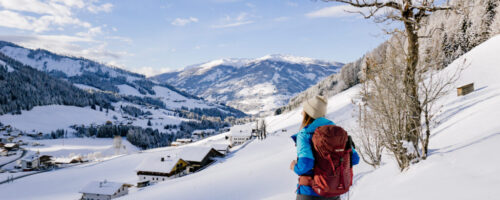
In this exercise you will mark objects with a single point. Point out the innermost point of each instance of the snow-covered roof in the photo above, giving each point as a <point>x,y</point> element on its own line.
<point>194,153</point>
<point>220,146</point>
<point>184,140</point>
<point>101,187</point>
<point>10,145</point>
<point>154,164</point>
<point>241,130</point>
<point>203,131</point>
<point>175,143</point>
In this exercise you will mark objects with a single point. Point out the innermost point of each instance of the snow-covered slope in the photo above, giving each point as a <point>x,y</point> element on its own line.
<point>462,163</point>
<point>87,74</point>
<point>255,86</point>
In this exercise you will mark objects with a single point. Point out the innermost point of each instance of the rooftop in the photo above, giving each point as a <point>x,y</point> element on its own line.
<point>241,130</point>
<point>101,187</point>
<point>154,164</point>
<point>194,153</point>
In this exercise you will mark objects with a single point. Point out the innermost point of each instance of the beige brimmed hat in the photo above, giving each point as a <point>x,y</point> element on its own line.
<point>316,106</point>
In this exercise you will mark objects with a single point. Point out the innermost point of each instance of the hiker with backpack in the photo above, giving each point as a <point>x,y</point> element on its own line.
<point>325,155</point>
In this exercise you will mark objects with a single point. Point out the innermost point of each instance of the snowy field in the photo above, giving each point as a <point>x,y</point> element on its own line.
<point>50,118</point>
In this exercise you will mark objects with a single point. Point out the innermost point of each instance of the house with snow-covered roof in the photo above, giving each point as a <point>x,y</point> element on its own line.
<point>222,148</point>
<point>160,168</point>
<point>198,156</point>
<point>104,190</point>
<point>200,134</point>
<point>184,140</point>
<point>239,134</point>
<point>35,162</point>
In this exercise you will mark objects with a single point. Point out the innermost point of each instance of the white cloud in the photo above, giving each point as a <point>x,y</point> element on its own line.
<point>92,32</point>
<point>184,21</point>
<point>341,11</point>
<point>239,20</point>
<point>41,16</point>
<point>100,8</point>
<point>68,45</point>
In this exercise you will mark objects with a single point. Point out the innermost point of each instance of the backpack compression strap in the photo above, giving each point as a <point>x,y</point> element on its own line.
<point>306,180</point>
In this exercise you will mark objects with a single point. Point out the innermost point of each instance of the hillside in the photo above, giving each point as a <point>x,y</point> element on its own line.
<point>255,86</point>
<point>448,35</point>
<point>90,75</point>
<point>463,146</point>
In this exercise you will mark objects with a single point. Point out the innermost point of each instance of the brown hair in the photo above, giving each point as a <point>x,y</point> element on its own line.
<point>306,120</point>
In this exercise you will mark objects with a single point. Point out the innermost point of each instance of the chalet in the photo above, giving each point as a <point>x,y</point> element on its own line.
<point>156,169</point>
<point>11,146</point>
<point>104,190</point>
<point>68,160</point>
<point>200,134</point>
<point>198,157</point>
<point>175,144</point>
<point>221,148</point>
<point>184,140</point>
<point>239,134</point>
<point>35,162</point>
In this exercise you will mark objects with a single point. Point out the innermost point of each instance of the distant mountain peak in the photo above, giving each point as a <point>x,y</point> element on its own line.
<point>255,86</point>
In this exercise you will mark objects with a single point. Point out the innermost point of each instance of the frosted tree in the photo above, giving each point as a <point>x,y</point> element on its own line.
<point>117,144</point>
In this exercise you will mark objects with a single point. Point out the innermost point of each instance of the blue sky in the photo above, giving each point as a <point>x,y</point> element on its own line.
<point>154,36</point>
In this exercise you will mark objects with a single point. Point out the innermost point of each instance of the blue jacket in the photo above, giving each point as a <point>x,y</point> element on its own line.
<point>305,157</point>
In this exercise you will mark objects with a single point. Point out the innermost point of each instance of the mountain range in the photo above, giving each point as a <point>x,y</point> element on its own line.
<point>255,86</point>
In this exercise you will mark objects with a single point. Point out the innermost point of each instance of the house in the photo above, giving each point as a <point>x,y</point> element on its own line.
<point>69,160</point>
<point>156,169</point>
<point>175,144</point>
<point>221,148</point>
<point>200,134</point>
<point>184,140</point>
<point>198,157</point>
<point>104,190</point>
<point>11,146</point>
<point>239,134</point>
<point>35,162</point>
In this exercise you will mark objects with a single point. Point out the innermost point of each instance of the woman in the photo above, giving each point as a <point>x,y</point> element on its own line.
<point>314,112</point>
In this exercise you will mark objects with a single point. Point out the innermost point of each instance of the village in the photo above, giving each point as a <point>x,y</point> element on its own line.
<point>183,157</point>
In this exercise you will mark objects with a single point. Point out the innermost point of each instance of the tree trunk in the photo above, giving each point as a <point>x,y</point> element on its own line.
<point>411,84</point>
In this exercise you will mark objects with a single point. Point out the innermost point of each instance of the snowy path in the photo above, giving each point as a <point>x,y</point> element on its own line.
<point>23,153</point>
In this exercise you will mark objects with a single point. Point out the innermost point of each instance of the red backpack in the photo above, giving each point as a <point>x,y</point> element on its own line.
<point>332,165</point>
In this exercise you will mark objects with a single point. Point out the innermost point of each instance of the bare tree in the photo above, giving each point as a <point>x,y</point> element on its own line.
<point>410,13</point>
<point>434,84</point>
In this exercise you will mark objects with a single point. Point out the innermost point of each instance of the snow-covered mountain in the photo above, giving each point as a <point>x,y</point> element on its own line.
<point>255,86</point>
<point>90,75</point>
<point>45,93</point>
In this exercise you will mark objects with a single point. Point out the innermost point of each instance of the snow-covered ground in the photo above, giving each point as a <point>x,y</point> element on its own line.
<point>462,163</point>
<point>65,183</point>
<point>52,117</point>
